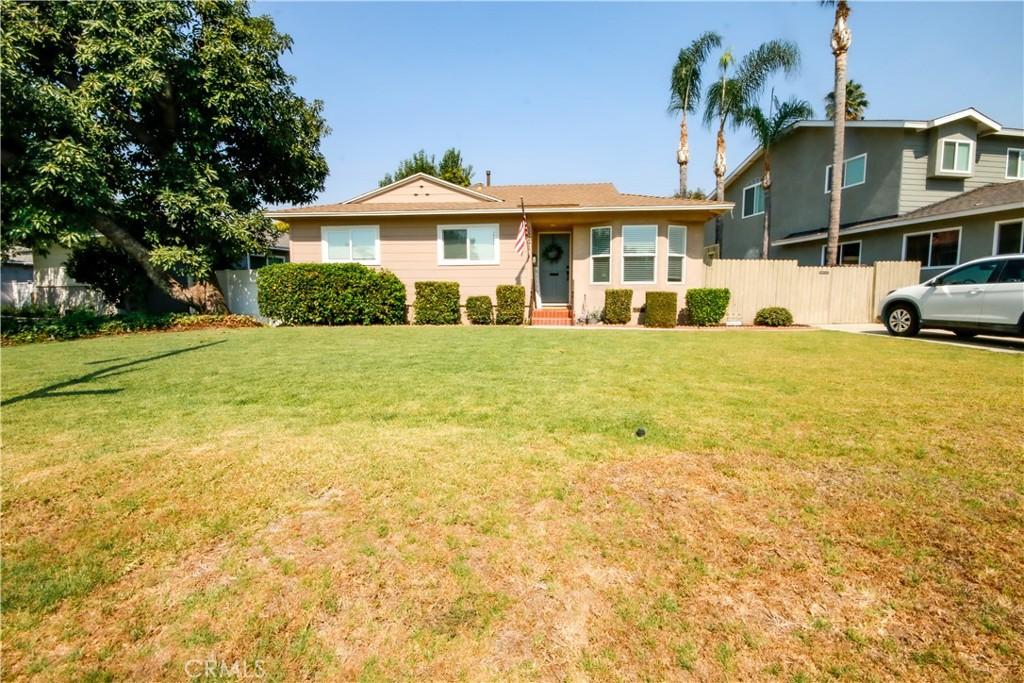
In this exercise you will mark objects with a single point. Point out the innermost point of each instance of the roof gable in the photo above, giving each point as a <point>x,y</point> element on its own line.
<point>421,188</point>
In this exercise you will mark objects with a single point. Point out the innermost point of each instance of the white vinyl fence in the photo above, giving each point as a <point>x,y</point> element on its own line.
<point>16,294</point>
<point>239,287</point>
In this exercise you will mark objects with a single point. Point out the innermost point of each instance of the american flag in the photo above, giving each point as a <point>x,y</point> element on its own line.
<point>524,233</point>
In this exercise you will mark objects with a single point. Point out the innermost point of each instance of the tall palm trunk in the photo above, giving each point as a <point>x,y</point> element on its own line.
<point>719,180</point>
<point>841,39</point>
<point>766,188</point>
<point>683,156</point>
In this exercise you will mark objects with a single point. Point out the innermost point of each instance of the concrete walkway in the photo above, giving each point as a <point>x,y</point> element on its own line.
<point>997,344</point>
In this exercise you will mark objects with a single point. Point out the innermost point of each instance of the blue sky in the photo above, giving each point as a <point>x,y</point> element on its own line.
<point>577,92</point>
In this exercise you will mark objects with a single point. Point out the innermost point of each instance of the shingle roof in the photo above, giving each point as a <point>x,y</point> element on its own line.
<point>592,195</point>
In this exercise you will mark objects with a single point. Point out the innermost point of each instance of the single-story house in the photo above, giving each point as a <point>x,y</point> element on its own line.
<point>584,239</point>
<point>985,221</point>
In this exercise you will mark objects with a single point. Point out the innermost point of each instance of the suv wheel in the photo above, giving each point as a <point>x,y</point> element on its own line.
<point>901,320</point>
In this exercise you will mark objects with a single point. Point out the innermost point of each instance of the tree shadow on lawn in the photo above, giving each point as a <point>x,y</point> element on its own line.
<point>53,390</point>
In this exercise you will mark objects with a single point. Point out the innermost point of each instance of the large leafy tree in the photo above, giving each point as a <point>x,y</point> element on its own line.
<point>769,129</point>
<point>451,168</point>
<point>856,102</point>
<point>162,126</point>
<point>729,98</point>
<point>841,41</point>
<point>685,93</point>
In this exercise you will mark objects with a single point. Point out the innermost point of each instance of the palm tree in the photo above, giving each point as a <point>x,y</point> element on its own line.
<point>856,102</point>
<point>686,92</point>
<point>841,39</point>
<point>769,129</point>
<point>731,95</point>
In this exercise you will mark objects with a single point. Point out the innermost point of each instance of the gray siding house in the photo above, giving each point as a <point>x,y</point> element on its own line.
<point>894,171</point>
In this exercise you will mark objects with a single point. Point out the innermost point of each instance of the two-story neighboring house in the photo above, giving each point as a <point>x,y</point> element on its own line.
<point>941,192</point>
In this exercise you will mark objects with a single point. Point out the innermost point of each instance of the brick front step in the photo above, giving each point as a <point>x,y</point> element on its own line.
<point>551,316</point>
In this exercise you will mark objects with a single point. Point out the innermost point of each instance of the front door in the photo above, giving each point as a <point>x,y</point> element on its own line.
<point>553,268</point>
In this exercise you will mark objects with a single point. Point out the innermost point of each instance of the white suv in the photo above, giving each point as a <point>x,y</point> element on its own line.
<point>984,296</point>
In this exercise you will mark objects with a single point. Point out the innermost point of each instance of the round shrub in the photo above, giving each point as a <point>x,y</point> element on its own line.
<point>706,305</point>
<point>479,310</point>
<point>774,316</point>
<point>661,309</point>
<point>511,304</point>
<point>330,294</point>
<point>437,303</point>
<point>618,306</point>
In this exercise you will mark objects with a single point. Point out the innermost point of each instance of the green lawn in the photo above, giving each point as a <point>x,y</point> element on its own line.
<point>466,503</point>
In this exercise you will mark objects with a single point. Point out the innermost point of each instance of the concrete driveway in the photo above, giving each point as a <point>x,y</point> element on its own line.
<point>998,344</point>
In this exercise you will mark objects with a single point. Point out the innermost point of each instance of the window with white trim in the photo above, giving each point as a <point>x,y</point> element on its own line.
<point>639,253</point>
<point>1015,164</point>
<point>753,200</point>
<point>956,156</point>
<point>601,255</point>
<point>353,244</point>
<point>855,172</point>
<point>849,253</point>
<point>1009,238</point>
<point>467,245</point>
<point>676,270</point>
<point>934,249</point>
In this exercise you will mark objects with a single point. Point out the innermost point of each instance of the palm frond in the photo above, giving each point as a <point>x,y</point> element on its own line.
<point>757,66</point>
<point>685,88</point>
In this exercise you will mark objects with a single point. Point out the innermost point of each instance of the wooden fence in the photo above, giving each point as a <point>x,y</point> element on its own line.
<point>815,295</point>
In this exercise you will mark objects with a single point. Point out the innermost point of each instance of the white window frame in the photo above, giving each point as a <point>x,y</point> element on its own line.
<point>743,201</point>
<point>860,252</point>
<point>942,156</point>
<point>442,261</point>
<point>828,184</point>
<point>623,256</point>
<point>669,254</point>
<point>375,261</point>
<point>959,246</point>
<point>1020,163</point>
<point>611,236</point>
<point>995,233</point>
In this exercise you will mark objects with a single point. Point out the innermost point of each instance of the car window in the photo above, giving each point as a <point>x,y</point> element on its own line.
<point>1013,271</point>
<point>975,274</point>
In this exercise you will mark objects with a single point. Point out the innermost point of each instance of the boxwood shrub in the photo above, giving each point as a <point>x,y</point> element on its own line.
<point>330,294</point>
<point>774,316</point>
<point>618,306</point>
<point>661,309</point>
<point>706,305</point>
<point>437,303</point>
<point>479,310</point>
<point>511,304</point>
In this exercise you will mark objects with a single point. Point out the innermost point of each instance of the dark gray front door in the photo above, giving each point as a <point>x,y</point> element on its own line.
<point>553,268</point>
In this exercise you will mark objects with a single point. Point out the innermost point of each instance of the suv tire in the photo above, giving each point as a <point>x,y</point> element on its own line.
<point>901,320</point>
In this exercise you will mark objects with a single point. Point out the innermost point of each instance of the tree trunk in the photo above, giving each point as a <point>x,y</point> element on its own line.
<point>683,156</point>
<point>719,181</point>
<point>766,187</point>
<point>841,39</point>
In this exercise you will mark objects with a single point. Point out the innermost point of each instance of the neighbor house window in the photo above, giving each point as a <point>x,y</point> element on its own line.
<point>935,249</point>
<point>1014,167</point>
<point>467,244</point>
<point>955,156</point>
<point>1009,237</point>
<point>354,244</point>
<point>601,255</point>
<point>849,254</point>
<point>257,261</point>
<point>753,200</point>
<point>676,253</point>
<point>855,172</point>
<point>639,253</point>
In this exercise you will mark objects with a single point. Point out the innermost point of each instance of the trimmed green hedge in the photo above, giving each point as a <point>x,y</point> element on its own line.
<point>437,303</point>
<point>661,309</point>
<point>774,316</point>
<point>706,305</point>
<point>38,324</point>
<point>511,304</point>
<point>330,294</point>
<point>479,310</point>
<point>618,306</point>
